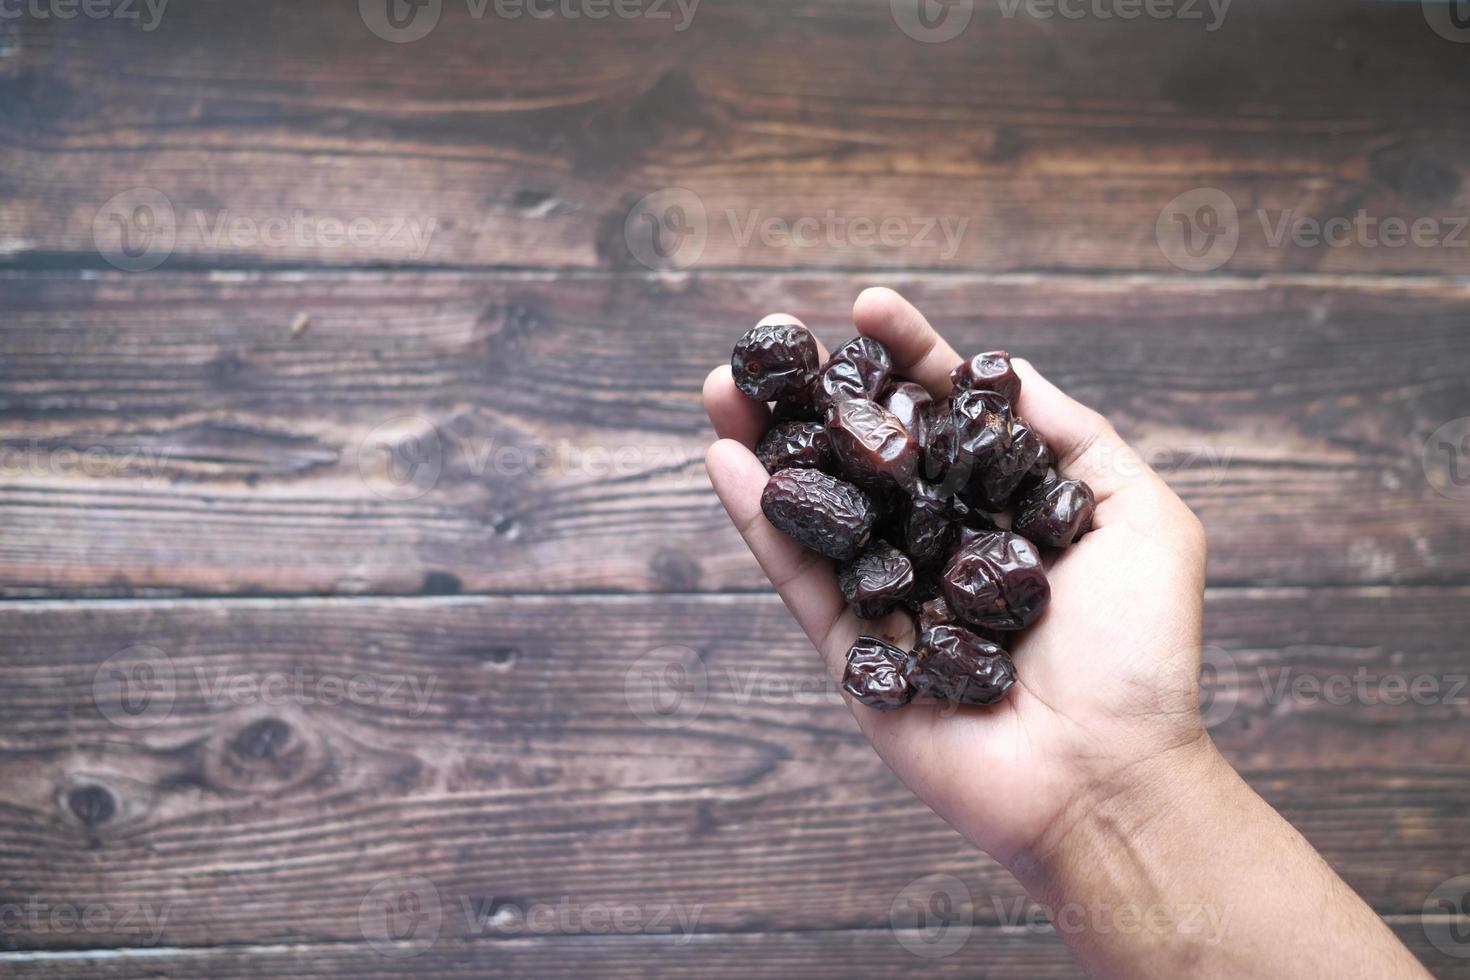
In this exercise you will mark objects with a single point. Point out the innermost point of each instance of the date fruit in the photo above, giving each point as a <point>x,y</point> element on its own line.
<point>857,369</point>
<point>871,446</point>
<point>823,513</point>
<point>997,582</point>
<point>951,663</point>
<point>876,581</point>
<point>1056,513</point>
<point>936,505</point>
<point>911,405</point>
<point>774,360</point>
<point>877,674</point>
<point>795,444</point>
<point>990,371</point>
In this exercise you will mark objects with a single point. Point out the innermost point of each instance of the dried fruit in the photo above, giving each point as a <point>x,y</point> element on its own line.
<point>876,674</point>
<point>876,581</point>
<point>911,404</point>
<point>798,444</point>
<point>997,582</point>
<point>995,487</point>
<point>990,371</point>
<point>820,511</point>
<point>857,369</point>
<point>871,446</point>
<point>924,528</point>
<point>1056,513</point>
<point>774,360</point>
<point>976,434</point>
<point>951,663</point>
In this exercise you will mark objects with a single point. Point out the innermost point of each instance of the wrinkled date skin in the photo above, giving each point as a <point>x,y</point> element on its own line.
<point>950,663</point>
<point>1022,465</point>
<point>804,445</point>
<point>775,360</point>
<point>876,581</point>
<point>997,582</point>
<point>823,513</point>
<point>1056,513</point>
<point>911,405</point>
<point>871,446</point>
<point>876,674</point>
<point>990,371</point>
<point>976,435</point>
<point>857,369</point>
<point>925,527</point>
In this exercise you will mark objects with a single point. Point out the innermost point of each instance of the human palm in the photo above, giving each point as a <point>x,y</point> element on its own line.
<point>1107,678</point>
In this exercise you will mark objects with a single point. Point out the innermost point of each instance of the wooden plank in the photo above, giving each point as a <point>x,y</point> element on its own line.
<point>283,758</point>
<point>512,432</point>
<point>987,953</point>
<point>1044,143</point>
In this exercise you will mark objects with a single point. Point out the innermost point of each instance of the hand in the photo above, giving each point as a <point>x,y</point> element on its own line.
<point>1108,687</point>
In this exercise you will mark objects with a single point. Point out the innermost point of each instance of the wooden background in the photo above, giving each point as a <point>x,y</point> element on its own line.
<point>469,468</point>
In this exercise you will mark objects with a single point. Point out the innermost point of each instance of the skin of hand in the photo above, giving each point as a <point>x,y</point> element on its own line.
<point>1094,781</point>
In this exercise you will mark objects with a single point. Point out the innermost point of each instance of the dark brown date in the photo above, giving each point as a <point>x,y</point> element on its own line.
<point>996,486</point>
<point>911,405</point>
<point>870,445</point>
<point>876,581</point>
<point>876,674</point>
<point>820,511</point>
<point>774,360</point>
<point>950,663</point>
<point>925,526</point>
<point>997,582</point>
<point>795,444</point>
<point>1056,513</point>
<point>977,434</point>
<point>857,369</point>
<point>935,612</point>
<point>990,371</point>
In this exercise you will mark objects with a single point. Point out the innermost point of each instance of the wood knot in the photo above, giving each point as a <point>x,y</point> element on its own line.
<point>267,754</point>
<point>93,804</point>
<point>263,739</point>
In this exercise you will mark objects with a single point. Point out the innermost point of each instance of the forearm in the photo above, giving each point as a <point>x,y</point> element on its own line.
<point>1190,872</point>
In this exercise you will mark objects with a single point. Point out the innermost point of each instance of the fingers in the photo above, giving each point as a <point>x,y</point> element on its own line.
<point>1085,445</point>
<point>918,351</point>
<point>734,415</point>
<point>803,578</point>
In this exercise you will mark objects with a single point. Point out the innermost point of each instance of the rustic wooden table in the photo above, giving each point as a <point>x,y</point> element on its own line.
<point>369,612</point>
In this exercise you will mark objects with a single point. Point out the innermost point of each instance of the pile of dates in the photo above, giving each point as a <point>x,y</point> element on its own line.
<point>937,506</point>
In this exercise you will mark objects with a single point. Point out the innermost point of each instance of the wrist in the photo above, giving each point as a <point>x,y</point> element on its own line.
<point>1109,826</point>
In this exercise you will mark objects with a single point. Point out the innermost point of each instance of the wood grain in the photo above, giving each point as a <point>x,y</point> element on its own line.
<point>172,434</point>
<point>535,751</point>
<point>1044,143</point>
<point>987,954</point>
